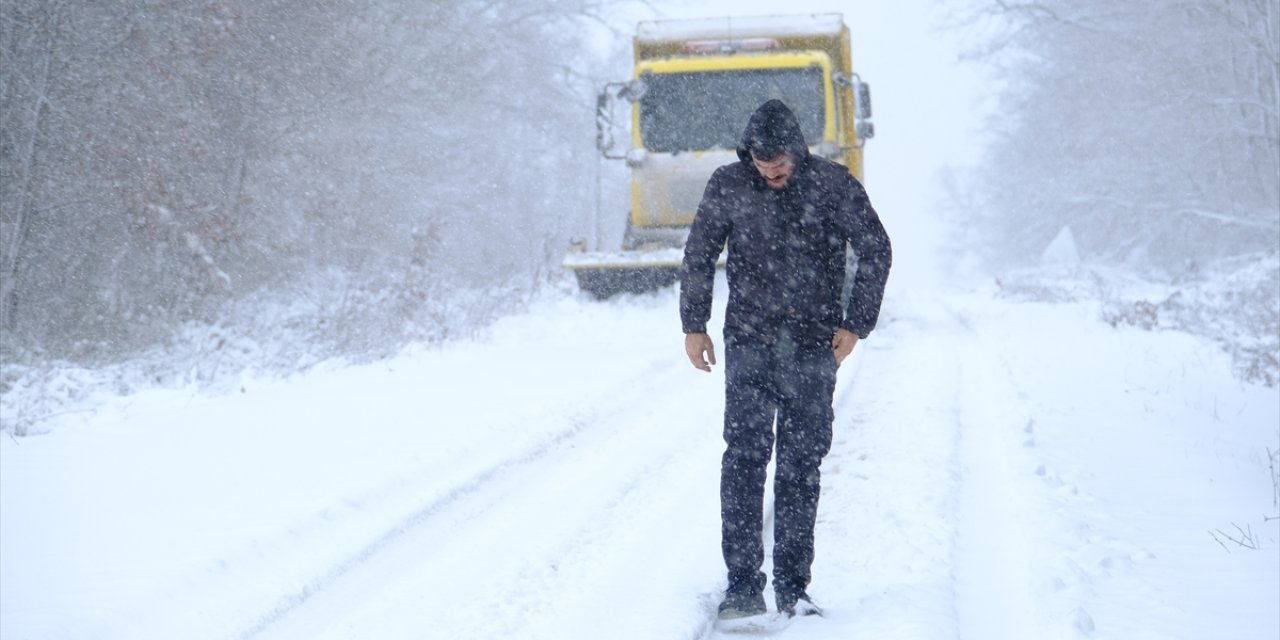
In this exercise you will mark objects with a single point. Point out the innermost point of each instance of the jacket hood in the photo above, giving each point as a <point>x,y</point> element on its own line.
<point>773,127</point>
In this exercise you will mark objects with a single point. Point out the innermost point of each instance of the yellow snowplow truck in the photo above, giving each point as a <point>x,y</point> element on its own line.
<point>696,83</point>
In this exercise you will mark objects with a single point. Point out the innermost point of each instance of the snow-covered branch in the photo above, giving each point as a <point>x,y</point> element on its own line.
<point>1178,118</point>
<point>182,156</point>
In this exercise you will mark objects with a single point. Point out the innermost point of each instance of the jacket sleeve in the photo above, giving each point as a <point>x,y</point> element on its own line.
<point>707,237</point>
<point>871,244</point>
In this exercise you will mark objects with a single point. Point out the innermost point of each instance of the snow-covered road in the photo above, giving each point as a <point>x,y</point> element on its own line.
<point>1001,470</point>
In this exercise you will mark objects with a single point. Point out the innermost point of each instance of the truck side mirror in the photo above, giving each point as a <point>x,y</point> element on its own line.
<point>862,95</point>
<point>604,122</point>
<point>604,117</point>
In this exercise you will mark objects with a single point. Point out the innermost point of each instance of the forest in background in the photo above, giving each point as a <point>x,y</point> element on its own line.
<point>1150,128</point>
<point>396,166</point>
<point>1141,140</point>
<point>236,184</point>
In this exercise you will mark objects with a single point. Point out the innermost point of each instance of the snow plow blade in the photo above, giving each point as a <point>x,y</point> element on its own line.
<point>603,283</point>
<point>604,274</point>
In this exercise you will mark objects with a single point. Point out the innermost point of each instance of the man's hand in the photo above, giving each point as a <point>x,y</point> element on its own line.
<point>842,343</point>
<point>699,348</point>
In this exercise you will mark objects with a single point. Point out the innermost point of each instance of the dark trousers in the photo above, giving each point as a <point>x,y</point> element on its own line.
<point>793,384</point>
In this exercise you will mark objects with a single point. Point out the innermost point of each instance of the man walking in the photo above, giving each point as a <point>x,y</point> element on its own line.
<point>787,217</point>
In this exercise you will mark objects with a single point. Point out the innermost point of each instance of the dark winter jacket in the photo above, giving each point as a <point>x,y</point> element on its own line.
<point>786,262</point>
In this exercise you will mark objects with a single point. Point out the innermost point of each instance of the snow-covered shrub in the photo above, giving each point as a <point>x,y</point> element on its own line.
<point>333,316</point>
<point>1235,301</point>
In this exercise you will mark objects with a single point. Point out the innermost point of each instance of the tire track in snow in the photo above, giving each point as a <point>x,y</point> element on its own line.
<point>885,518</point>
<point>929,503</point>
<point>443,499</point>
<point>492,490</point>
<point>1022,542</point>
<point>994,562</point>
<point>291,601</point>
<point>593,551</point>
<point>1075,567</point>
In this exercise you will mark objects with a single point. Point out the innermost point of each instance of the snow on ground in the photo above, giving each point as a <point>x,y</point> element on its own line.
<point>1001,469</point>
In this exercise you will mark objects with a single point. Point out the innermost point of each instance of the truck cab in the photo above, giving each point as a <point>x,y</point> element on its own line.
<point>695,85</point>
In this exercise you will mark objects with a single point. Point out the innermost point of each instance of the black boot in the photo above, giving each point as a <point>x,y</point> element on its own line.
<point>793,603</point>
<point>741,601</point>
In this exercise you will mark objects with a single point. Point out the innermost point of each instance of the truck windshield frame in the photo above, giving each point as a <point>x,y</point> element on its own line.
<point>703,110</point>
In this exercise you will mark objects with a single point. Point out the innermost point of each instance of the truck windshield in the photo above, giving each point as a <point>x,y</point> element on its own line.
<point>710,109</point>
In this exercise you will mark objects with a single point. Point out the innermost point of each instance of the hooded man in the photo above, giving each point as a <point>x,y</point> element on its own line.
<point>787,217</point>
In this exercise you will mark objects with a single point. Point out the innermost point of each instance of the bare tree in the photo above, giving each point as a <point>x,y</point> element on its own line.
<point>1149,128</point>
<point>30,39</point>
<point>163,158</point>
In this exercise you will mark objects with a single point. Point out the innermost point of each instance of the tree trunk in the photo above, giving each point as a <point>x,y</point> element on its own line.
<point>19,229</point>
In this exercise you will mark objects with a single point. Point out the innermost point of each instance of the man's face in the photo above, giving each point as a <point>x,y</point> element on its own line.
<point>777,171</point>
